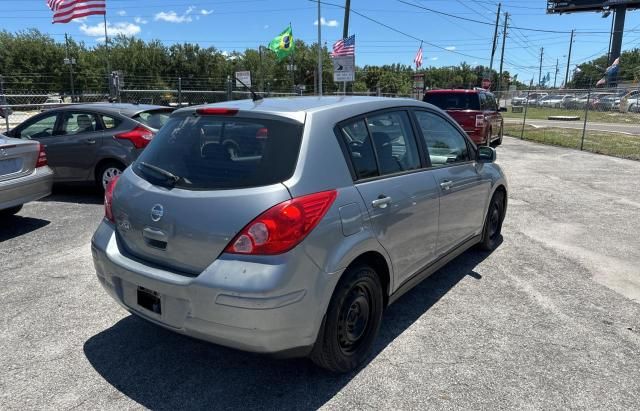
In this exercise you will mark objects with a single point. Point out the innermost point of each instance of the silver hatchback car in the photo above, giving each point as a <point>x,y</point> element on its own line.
<point>294,243</point>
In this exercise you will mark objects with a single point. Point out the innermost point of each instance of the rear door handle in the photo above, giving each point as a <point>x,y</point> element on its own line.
<point>381,202</point>
<point>446,185</point>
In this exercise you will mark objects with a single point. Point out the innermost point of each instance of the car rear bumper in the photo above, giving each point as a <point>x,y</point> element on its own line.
<point>27,188</point>
<point>276,306</point>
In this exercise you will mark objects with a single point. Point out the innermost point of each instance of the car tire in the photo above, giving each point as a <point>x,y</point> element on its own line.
<point>352,321</point>
<point>493,222</point>
<point>488,138</point>
<point>501,135</point>
<point>106,172</point>
<point>10,211</point>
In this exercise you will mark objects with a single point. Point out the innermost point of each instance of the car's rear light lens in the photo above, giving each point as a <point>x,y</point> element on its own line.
<point>480,120</point>
<point>139,136</point>
<point>262,133</point>
<point>217,111</point>
<point>108,199</point>
<point>284,226</point>
<point>42,156</point>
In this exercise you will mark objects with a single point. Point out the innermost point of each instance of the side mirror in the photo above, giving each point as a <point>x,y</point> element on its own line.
<point>486,154</point>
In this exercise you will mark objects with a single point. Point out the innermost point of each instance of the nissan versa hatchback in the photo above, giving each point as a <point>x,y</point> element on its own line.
<point>330,209</point>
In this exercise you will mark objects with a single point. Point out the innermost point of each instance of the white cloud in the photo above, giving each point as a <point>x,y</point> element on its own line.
<point>190,9</point>
<point>172,17</point>
<point>79,20</point>
<point>325,22</point>
<point>434,59</point>
<point>127,29</point>
<point>450,48</point>
<point>122,13</point>
<point>266,26</point>
<point>140,20</point>
<point>206,12</point>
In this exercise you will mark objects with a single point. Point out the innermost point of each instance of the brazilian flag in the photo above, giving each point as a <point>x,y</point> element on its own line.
<point>283,44</point>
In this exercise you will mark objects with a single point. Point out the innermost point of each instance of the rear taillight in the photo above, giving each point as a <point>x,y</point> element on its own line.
<point>139,136</point>
<point>480,120</point>
<point>42,156</point>
<point>108,199</point>
<point>284,226</point>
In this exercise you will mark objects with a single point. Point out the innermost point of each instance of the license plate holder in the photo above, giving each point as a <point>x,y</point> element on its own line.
<point>149,300</point>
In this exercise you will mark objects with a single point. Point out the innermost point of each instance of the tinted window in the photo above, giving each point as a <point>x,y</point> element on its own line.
<point>454,101</point>
<point>484,103</point>
<point>208,152</point>
<point>491,103</point>
<point>110,122</point>
<point>394,142</point>
<point>154,119</point>
<point>445,143</point>
<point>358,142</point>
<point>77,123</point>
<point>40,128</point>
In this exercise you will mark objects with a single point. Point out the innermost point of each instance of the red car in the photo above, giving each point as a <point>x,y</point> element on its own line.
<point>476,111</point>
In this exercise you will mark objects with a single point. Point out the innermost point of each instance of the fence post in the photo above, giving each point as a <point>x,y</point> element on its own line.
<point>3,100</point>
<point>586,113</point>
<point>526,106</point>
<point>179,92</point>
<point>229,89</point>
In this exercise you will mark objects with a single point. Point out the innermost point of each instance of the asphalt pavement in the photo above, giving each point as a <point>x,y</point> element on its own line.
<point>633,129</point>
<point>550,320</point>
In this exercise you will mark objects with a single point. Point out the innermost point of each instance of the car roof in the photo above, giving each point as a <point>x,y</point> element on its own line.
<point>126,109</point>
<point>456,91</point>
<point>297,107</point>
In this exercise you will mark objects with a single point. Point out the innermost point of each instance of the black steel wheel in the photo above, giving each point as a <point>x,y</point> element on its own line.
<point>493,223</point>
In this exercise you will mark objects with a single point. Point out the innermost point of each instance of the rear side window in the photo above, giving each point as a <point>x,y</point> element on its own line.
<point>394,142</point>
<point>154,119</point>
<point>360,148</point>
<point>454,101</point>
<point>211,152</point>
<point>110,122</point>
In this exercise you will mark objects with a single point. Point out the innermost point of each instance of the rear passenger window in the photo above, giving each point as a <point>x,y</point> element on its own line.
<point>358,142</point>
<point>110,122</point>
<point>394,142</point>
<point>445,143</point>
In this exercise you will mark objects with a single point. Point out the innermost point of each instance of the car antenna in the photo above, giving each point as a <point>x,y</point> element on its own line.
<point>254,96</point>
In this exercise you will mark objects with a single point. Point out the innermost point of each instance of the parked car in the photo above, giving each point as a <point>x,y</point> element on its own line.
<point>576,102</point>
<point>600,101</point>
<point>630,103</point>
<point>54,102</point>
<point>555,101</point>
<point>611,102</point>
<point>475,110</point>
<point>351,202</point>
<point>93,142</point>
<point>24,175</point>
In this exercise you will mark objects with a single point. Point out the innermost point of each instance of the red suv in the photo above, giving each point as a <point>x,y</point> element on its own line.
<point>475,110</point>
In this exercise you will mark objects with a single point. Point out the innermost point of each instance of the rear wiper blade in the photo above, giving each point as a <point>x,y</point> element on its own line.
<point>174,178</point>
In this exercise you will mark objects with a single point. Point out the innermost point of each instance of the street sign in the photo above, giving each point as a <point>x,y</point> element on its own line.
<point>243,76</point>
<point>486,83</point>
<point>344,68</point>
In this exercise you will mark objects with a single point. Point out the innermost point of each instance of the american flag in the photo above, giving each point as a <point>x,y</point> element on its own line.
<point>344,47</point>
<point>66,10</point>
<point>418,59</point>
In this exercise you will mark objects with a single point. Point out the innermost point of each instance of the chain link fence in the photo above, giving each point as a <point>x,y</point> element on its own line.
<point>605,121</point>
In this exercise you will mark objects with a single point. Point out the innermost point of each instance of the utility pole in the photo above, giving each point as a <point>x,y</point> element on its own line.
<point>319,51</point>
<point>495,37</point>
<point>345,30</point>
<point>618,29</point>
<point>70,61</point>
<point>566,76</point>
<point>540,72</point>
<point>504,40</point>
<point>555,78</point>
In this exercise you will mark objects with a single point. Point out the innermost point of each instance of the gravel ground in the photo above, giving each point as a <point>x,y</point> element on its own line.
<point>549,320</point>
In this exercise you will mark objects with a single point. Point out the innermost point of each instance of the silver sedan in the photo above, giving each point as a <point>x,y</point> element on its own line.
<point>24,174</point>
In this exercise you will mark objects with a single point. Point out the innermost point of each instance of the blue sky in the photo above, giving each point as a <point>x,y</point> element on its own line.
<point>235,25</point>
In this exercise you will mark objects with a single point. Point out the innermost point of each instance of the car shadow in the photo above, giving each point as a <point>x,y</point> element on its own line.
<point>16,225</point>
<point>75,193</point>
<point>163,370</point>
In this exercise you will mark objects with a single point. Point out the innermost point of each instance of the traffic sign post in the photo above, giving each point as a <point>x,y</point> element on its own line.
<point>344,68</point>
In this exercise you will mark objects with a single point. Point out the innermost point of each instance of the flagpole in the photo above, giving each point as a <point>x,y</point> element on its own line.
<point>319,51</point>
<point>106,45</point>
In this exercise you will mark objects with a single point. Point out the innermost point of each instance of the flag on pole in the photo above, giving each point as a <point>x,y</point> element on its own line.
<point>66,10</point>
<point>344,47</point>
<point>283,44</point>
<point>418,58</point>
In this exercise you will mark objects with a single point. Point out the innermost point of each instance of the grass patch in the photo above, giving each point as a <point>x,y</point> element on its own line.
<point>537,113</point>
<point>612,144</point>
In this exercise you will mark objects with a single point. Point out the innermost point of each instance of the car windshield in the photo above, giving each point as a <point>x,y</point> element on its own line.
<point>215,152</point>
<point>154,119</point>
<point>454,101</point>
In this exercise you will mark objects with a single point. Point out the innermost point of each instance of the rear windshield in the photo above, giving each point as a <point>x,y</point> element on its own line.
<point>454,101</point>
<point>154,119</point>
<point>213,152</point>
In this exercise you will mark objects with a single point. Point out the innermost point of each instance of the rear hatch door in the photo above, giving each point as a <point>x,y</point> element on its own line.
<point>187,195</point>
